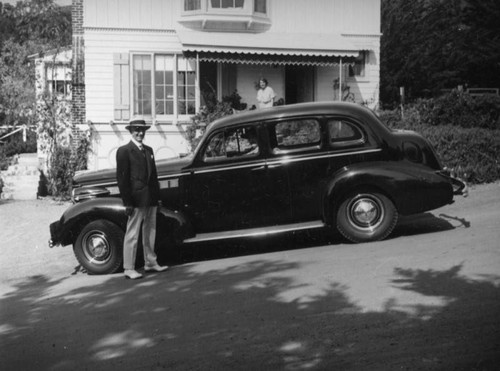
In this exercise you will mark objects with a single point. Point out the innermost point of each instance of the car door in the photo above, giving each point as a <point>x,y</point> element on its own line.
<point>297,152</point>
<point>229,188</point>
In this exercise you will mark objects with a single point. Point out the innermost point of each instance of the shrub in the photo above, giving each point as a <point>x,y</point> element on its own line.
<point>4,160</point>
<point>212,111</point>
<point>14,145</point>
<point>63,164</point>
<point>459,109</point>
<point>60,172</point>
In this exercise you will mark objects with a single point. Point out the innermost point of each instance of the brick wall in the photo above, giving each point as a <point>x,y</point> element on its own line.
<point>78,73</point>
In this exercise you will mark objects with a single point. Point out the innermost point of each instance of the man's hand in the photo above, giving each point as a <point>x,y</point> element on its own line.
<point>129,210</point>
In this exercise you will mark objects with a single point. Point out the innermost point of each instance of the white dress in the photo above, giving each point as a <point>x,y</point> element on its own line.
<point>265,97</point>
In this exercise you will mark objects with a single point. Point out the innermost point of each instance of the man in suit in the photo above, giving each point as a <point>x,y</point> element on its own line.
<point>139,189</point>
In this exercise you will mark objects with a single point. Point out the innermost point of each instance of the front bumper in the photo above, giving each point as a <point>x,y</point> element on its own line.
<point>54,239</point>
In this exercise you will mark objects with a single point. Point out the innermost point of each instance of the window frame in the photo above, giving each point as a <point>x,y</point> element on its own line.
<point>176,116</point>
<point>298,148</point>
<point>53,88</point>
<point>240,154</point>
<point>249,8</point>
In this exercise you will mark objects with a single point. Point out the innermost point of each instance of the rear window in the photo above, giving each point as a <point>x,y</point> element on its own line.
<point>342,132</point>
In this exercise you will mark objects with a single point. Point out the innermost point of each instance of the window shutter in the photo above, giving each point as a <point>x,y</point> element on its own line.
<point>121,79</point>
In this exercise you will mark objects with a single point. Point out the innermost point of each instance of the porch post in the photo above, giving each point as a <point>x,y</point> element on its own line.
<point>340,79</point>
<point>197,85</point>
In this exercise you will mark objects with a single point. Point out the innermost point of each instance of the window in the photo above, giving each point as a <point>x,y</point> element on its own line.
<point>344,133</point>
<point>358,69</point>
<point>233,142</point>
<point>169,82</point>
<point>226,4</point>
<point>297,135</point>
<point>186,80</point>
<point>225,15</point>
<point>192,5</point>
<point>260,6</point>
<point>142,85</point>
<point>61,88</point>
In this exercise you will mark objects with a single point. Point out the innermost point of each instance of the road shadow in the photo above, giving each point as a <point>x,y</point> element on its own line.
<point>427,223</point>
<point>238,318</point>
<point>255,245</point>
<point>407,226</point>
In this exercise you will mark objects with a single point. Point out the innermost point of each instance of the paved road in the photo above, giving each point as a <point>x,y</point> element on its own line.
<point>426,299</point>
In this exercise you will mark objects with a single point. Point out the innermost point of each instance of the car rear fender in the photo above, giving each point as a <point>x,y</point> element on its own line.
<point>411,187</point>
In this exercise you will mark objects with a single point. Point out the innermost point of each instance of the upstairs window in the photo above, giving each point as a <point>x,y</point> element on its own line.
<point>225,15</point>
<point>60,88</point>
<point>192,5</point>
<point>260,6</point>
<point>245,6</point>
<point>227,4</point>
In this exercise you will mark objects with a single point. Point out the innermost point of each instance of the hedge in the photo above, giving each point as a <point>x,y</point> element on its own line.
<point>472,153</point>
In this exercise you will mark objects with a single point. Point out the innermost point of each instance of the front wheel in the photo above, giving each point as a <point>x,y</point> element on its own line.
<point>366,216</point>
<point>99,247</point>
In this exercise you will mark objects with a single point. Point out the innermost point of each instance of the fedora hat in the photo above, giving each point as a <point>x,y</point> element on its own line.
<point>137,124</point>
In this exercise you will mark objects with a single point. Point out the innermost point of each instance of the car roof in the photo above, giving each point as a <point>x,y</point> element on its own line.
<point>292,110</point>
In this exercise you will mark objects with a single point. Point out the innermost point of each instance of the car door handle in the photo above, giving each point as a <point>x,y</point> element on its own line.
<point>263,167</point>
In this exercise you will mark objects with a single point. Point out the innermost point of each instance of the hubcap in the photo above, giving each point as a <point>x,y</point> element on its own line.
<point>96,247</point>
<point>366,212</point>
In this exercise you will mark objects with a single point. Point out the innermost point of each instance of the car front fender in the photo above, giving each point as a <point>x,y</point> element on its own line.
<point>66,229</point>
<point>411,187</point>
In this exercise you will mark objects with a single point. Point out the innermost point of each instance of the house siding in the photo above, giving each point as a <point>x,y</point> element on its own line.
<point>103,28</point>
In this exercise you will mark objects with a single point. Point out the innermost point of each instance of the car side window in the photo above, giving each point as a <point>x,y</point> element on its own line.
<point>233,142</point>
<point>296,135</point>
<point>343,133</point>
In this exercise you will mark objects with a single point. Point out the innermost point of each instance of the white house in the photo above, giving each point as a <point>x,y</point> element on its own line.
<point>154,59</point>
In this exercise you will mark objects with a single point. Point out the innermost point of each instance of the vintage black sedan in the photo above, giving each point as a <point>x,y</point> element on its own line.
<point>287,168</point>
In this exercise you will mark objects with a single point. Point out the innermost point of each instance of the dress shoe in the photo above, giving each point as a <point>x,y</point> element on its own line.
<point>132,274</point>
<point>155,268</point>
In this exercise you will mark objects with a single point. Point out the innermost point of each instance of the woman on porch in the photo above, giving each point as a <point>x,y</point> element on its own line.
<point>265,94</point>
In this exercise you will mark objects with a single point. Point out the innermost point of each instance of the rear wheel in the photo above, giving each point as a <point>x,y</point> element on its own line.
<point>366,216</point>
<point>99,247</point>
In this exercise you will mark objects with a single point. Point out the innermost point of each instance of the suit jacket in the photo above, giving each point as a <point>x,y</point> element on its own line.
<point>137,176</point>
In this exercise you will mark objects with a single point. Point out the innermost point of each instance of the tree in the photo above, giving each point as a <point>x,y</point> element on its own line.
<point>429,45</point>
<point>28,28</point>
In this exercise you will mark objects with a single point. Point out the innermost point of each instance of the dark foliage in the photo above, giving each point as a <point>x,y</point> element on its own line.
<point>14,145</point>
<point>430,45</point>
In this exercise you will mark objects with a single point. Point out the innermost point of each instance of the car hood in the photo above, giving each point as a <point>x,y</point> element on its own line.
<point>108,176</point>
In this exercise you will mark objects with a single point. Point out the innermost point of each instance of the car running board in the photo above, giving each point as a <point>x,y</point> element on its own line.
<point>254,232</point>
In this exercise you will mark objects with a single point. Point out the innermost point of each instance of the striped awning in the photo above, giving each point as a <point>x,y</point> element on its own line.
<point>268,48</point>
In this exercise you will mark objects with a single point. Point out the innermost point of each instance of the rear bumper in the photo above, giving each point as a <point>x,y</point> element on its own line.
<point>459,186</point>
